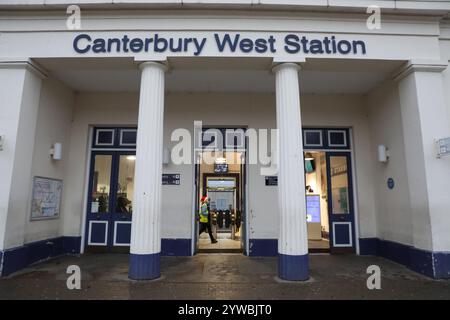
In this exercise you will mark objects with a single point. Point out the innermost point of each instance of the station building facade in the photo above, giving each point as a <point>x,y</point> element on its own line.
<point>308,130</point>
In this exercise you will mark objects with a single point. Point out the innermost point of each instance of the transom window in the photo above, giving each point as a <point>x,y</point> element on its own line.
<point>319,138</point>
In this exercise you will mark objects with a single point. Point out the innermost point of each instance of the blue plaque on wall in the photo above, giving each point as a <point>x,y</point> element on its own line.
<point>390,183</point>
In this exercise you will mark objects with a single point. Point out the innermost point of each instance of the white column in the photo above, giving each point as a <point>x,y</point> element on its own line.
<point>146,222</point>
<point>292,240</point>
<point>424,119</point>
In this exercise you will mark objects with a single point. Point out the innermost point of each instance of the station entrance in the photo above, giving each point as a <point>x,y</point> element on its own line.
<point>111,190</point>
<point>221,178</point>
<point>330,209</point>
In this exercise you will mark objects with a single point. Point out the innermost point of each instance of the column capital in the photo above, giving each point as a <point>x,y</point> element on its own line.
<point>279,63</point>
<point>282,65</point>
<point>27,64</point>
<point>419,66</point>
<point>159,64</point>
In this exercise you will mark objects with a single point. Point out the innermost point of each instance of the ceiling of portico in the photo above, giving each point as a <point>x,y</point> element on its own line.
<point>220,75</point>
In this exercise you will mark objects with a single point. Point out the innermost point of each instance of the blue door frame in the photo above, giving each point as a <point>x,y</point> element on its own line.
<point>111,230</point>
<point>341,225</point>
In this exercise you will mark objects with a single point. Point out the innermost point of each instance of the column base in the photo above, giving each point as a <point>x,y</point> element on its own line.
<point>144,266</point>
<point>293,268</point>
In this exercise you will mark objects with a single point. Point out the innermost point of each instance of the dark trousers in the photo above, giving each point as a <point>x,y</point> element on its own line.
<point>205,226</point>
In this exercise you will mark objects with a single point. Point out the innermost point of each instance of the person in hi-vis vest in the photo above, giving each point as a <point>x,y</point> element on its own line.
<point>205,219</point>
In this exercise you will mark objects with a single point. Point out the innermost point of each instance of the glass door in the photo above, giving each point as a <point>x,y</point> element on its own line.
<point>340,202</point>
<point>108,223</point>
<point>122,209</point>
<point>100,202</point>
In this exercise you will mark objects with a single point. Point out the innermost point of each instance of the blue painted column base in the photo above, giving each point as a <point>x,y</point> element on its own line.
<point>144,266</point>
<point>293,268</point>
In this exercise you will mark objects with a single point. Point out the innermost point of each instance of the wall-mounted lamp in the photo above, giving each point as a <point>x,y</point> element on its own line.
<point>383,153</point>
<point>166,156</point>
<point>56,151</point>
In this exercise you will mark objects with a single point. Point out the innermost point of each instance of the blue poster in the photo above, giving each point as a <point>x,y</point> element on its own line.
<point>313,208</point>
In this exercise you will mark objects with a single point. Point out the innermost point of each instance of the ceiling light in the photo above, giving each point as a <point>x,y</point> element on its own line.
<point>309,156</point>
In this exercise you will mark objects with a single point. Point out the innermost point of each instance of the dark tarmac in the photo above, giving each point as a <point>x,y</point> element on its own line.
<point>220,276</point>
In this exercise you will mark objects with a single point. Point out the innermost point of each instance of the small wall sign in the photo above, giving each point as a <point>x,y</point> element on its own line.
<point>443,147</point>
<point>390,183</point>
<point>172,179</point>
<point>271,180</point>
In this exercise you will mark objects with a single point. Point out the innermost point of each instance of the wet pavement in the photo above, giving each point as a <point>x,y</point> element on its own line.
<point>220,276</point>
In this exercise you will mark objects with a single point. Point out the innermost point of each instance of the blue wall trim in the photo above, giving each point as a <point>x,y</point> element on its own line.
<point>145,266</point>
<point>19,258</point>
<point>394,251</point>
<point>176,247</point>
<point>368,246</point>
<point>293,268</point>
<point>432,264</point>
<point>421,261</point>
<point>72,245</point>
<point>263,247</point>
<point>442,265</point>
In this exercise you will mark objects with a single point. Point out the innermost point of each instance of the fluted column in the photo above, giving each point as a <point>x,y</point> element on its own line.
<point>146,222</point>
<point>292,240</point>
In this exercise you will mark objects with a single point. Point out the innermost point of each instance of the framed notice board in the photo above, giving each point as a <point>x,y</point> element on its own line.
<point>46,198</point>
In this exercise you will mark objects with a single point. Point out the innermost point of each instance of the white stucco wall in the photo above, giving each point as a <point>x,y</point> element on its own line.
<point>53,125</point>
<point>251,110</point>
<point>20,92</point>
<point>393,208</point>
<point>445,55</point>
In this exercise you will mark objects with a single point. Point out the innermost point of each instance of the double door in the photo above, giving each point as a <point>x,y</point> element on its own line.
<point>110,201</point>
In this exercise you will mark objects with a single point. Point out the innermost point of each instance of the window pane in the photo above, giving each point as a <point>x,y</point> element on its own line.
<point>313,137</point>
<point>125,187</point>
<point>339,185</point>
<point>101,184</point>
<point>128,137</point>
<point>105,137</point>
<point>337,138</point>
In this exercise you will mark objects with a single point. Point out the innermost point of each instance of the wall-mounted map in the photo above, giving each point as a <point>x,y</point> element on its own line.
<point>46,200</point>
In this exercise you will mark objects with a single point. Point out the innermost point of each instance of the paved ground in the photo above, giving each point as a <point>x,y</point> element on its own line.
<point>220,276</point>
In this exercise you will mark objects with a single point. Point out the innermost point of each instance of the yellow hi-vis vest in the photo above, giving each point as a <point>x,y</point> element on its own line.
<point>204,213</point>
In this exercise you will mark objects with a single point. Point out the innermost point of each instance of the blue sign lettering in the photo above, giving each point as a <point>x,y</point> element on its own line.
<point>293,44</point>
